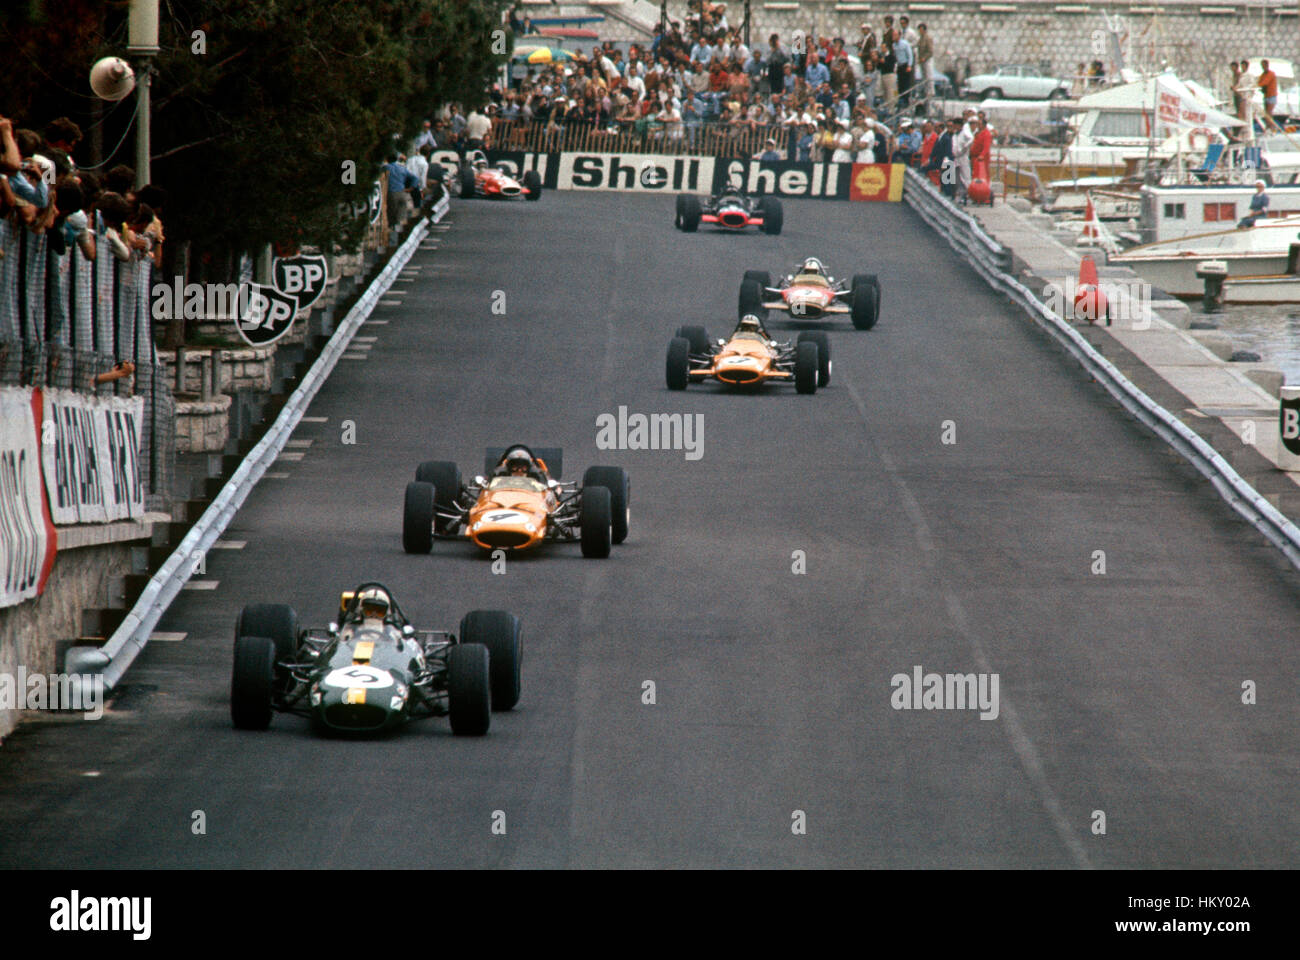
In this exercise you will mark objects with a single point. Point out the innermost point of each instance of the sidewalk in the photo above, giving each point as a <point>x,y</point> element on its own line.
<point>1185,370</point>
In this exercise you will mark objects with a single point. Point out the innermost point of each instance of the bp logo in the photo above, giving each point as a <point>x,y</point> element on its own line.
<point>301,278</point>
<point>266,315</point>
<point>1289,416</point>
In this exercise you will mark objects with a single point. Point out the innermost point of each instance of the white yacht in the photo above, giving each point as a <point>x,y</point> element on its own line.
<point>1264,249</point>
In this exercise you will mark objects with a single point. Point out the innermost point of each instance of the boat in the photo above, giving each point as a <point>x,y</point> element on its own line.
<point>1264,249</point>
<point>1220,288</point>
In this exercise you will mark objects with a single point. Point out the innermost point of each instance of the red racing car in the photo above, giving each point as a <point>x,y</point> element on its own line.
<point>479,179</point>
<point>809,293</point>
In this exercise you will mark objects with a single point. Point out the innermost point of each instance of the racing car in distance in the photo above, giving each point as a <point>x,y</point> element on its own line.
<point>810,293</point>
<point>479,179</point>
<point>729,209</point>
<point>748,357</point>
<point>518,503</point>
<point>372,671</point>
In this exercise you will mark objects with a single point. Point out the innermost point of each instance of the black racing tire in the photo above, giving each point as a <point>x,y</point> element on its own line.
<point>252,684</point>
<point>805,367</point>
<point>533,181</point>
<point>698,337</point>
<point>417,517</point>
<point>865,309</point>
<point>613,479</point>
<point>773,216</point>
<point>467,182</point>
<point>469,689</point>
<point>751,299</point>
<point>445,477</point>
<point>690,213</point>
<point>279,622</point>
<point>499,631</point>
<point>680,208</point>
<point>762,277</point>
<point>823,342</point>
<point>597,518</point>
<point>678,365</point>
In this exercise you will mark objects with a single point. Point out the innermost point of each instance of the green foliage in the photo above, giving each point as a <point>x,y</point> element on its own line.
<point>251,135</point>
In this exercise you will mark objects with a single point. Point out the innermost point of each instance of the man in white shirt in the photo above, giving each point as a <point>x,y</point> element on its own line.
<point>961,153</point>
<point>477,127</point>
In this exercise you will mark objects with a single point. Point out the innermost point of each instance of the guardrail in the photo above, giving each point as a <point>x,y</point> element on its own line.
<point>994,263</point>
<point>114,657</point>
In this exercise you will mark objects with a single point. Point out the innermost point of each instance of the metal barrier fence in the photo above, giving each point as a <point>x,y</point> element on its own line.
<point>698,138</point>
<point>995,264</point>
<point>65,320</point>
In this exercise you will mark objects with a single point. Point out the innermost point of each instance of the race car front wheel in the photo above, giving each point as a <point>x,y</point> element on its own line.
<point>677,368</point>
<point>805,367</point>
<point>866,301</point>
<point>596,522</point>
<point>499,631</point>
<point>279,623</point>
<point>773,217</point>
<point>823,354</point>
<point>613,479</point>
<point>688,213</point>
<point>252,686</point>
<point>417,518</point>
<point>467,184</point>
<point>533,181</point>
<point>698,337</point>
<point>469,693</point>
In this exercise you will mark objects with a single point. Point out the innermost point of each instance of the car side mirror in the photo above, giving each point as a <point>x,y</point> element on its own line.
<point>479,481</point>
<point>334,628</point>
<point>408,630</point>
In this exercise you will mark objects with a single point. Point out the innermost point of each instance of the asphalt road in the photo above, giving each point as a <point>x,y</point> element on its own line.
<point>1118,692</point>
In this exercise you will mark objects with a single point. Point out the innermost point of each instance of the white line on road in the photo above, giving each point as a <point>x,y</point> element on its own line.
<point>230,545</point>
<point>201,584</point>
<point>165,637</point>
<point>314,420</point>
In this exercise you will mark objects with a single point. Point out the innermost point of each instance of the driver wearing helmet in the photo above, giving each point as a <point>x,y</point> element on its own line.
<point>751,328</point>
<point>373,604</point>
<point>811,271</point>
<point>519,462</point>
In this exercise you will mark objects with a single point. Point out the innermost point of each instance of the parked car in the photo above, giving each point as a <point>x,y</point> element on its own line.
<point>1015,82</point>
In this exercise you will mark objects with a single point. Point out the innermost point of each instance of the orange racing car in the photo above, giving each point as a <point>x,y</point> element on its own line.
<point>748,357</point>
<point>518,503</point>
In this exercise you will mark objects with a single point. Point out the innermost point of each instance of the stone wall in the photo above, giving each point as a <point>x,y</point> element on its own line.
<point>81,579</point>
<point>1197,39</point>
<point>250,368</point>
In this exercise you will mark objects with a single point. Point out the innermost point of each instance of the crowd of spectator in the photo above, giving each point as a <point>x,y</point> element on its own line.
<point>44,191</point>
<point>815,97</point>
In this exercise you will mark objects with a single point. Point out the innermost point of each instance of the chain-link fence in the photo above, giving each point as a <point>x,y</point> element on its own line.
<point>67,321</point>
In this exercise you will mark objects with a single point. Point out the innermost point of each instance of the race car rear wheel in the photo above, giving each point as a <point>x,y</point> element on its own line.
<point>499,632</point>
<point>866,304</point>
<point>678,365</point>
<point>469,690</point>
<point>417,518</point>
<point>533,181</point>
<point>613,479</point>
<point>752,293</point>
<point>823,354</point>
<point>805,367</point>
<point>279,623</point>
<point>698,338</point>
<point>467,183</point>
<point>690,212</point>
<point>596,522</point>
<point>773,216</point>
<point>445,477</point>
<point>252,685</point>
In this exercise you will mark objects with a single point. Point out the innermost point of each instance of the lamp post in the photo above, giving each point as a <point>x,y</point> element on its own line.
<point>142,40</point>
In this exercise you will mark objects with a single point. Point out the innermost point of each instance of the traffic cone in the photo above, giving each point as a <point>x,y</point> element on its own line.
<point>1089,300</point>
<point>1091,225</point>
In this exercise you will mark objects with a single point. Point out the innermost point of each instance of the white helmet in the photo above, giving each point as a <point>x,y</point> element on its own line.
<point>750,323</point>
<point>813,265</point>
<point>374,604</point>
